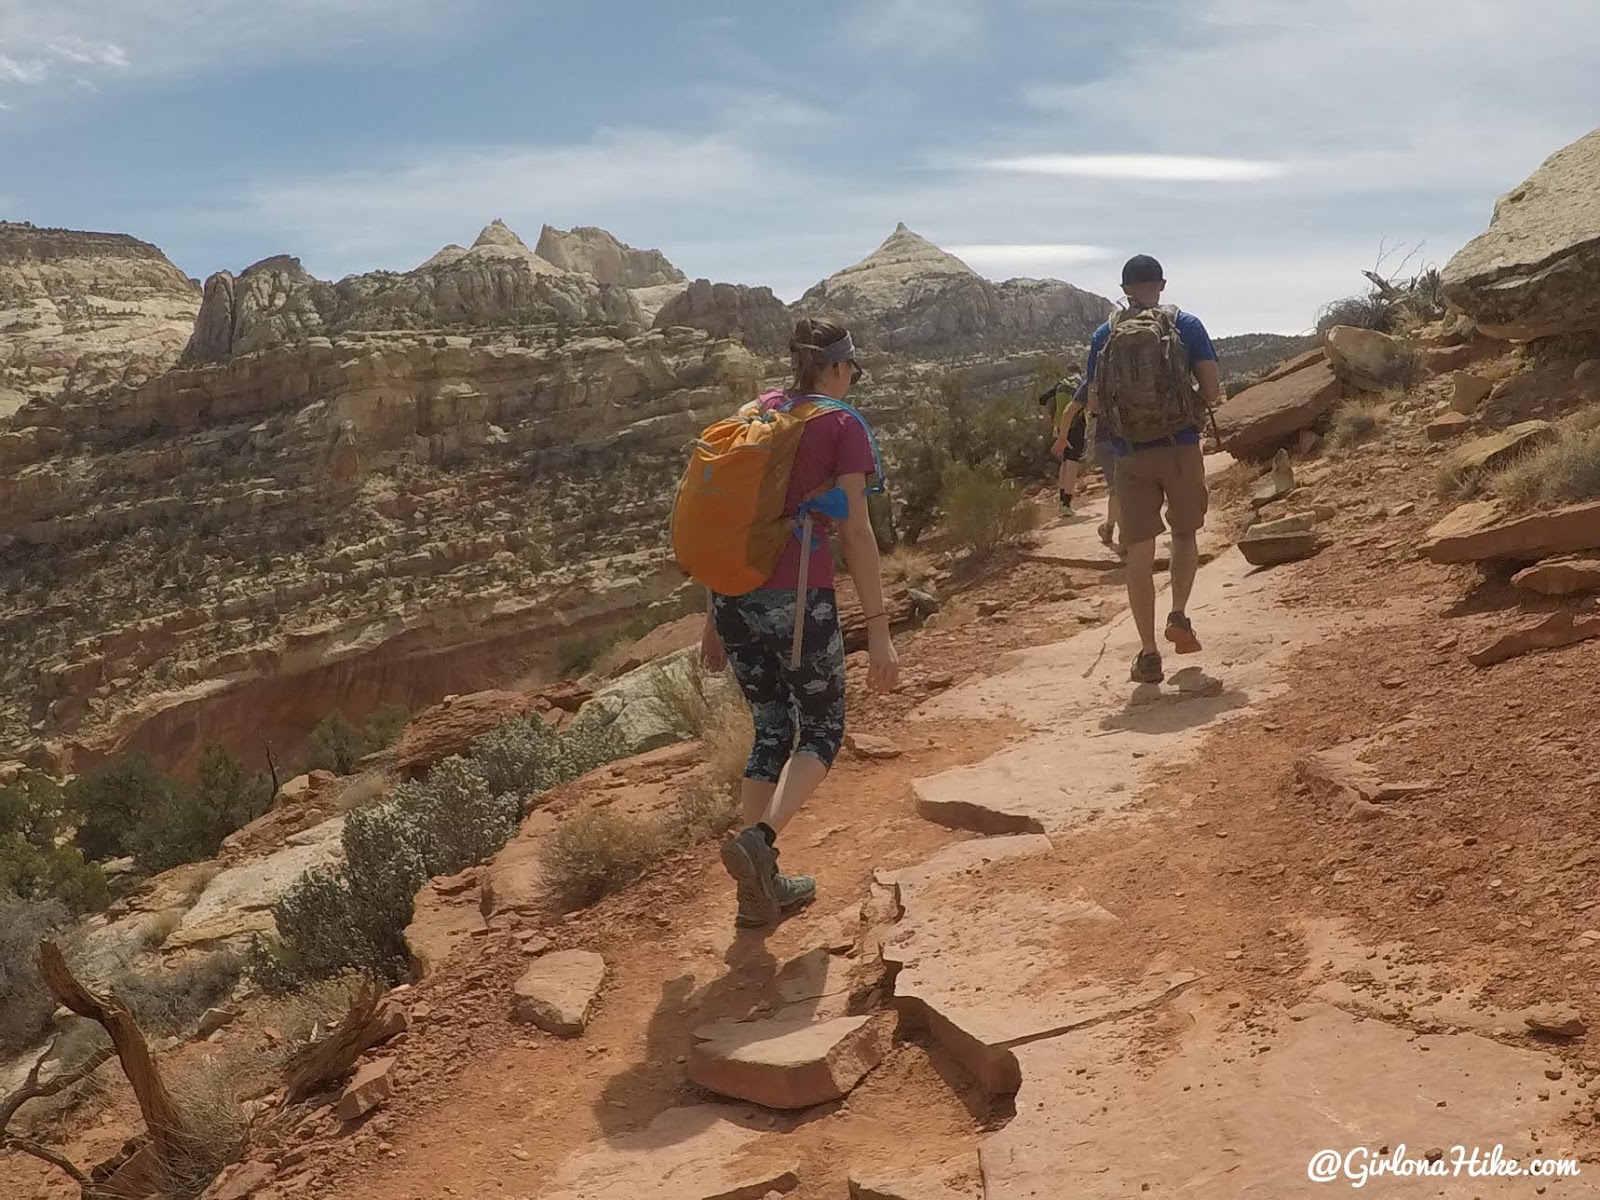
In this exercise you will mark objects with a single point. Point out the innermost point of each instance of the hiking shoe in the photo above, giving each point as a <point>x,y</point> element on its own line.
<point>1105,533</point>
<point>754,867</point>
<point>1147,667</point>
<point>1181,634</point>
<point>794,892</point>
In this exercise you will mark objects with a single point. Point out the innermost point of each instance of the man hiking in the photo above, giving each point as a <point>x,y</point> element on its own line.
<point>1153,376</point>
<point>1072,420</point>
<point>1066,416</point>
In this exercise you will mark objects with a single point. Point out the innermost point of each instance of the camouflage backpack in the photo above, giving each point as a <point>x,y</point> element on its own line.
<point>1143,379</point>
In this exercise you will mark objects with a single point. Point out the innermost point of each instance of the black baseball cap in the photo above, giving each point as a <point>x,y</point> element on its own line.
<point>1141,268</point>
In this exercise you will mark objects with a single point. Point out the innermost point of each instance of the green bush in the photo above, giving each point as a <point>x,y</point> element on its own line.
<point>189,825</point>
<point>33,866</point>
<point>527,756</point>
<point>338,746</point>
<point>25,1005</point>
<point>110,801</point>
<point>459,820</point>
<point>983,510</point>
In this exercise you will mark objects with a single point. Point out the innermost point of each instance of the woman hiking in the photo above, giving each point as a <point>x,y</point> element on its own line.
<point>799,710</point>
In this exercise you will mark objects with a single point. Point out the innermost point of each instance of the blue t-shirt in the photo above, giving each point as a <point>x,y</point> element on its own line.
<point>1196,343</point>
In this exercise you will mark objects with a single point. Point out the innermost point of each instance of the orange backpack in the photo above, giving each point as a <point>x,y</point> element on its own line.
<point>729,524</point>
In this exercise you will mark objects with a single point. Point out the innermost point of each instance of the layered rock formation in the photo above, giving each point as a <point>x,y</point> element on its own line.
<point>910,296</point>
<point>750,315</point>
<point>598,254</point>
<point>77,309</point>
<point>496,283</point>
<point>1535,271</point>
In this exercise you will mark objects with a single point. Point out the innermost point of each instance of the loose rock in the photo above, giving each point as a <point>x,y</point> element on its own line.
<point>1556,1021</point>
<point>559,991</point>
<point>371,1086</point>
<point>789,1062</point>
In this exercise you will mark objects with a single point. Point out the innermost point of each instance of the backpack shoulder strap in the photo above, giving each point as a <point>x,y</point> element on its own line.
<point>827,404</point>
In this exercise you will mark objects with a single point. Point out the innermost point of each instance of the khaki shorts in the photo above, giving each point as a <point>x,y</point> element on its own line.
<point>1176,474</point>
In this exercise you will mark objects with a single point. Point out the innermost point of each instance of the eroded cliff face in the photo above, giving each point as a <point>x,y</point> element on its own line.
<point>334,524</point>
<point>83,309</point>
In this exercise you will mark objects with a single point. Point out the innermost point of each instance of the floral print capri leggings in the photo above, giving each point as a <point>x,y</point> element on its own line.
<point>795,711</point>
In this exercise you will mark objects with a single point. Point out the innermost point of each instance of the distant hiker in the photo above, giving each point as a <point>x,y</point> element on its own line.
<point>1075,419</point>
<point>740,526</point>
<point>1067,420</point>
<point>1154,377</point>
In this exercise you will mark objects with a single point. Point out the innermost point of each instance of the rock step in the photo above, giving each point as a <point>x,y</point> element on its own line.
<point>789,1062</point>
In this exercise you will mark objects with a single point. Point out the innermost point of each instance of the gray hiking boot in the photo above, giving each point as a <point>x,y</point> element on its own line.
<point>795,892</point>
<point>754,867</point>
<point>1147,668</point>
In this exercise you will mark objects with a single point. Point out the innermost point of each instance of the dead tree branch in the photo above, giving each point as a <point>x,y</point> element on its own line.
<point>161,1116</point>
<point>32,1089</point>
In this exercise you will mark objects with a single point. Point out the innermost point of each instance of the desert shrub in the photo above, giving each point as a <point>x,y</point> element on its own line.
<point>688,695</point>
<point>214,1128</point>
<point>110,801</point>
<point>465,810</point>
<point>25,1005</point>
<point>1372,311</point>
<point>707,808</point>
<point>595,853</point>
<point>34,864</point>
<point>576,655</point>
<point>917,482</point>
<point>1353,423</point>
<point>459,819</point>
<point>338,746</point>
<point>171,1001</point>
<point>1564,471</point>
<point>154,933</point>
<point>527,756</point>
<point>189,825</point>
<point>983,511</point>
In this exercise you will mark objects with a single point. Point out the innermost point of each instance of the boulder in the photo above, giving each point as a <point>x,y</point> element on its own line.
<point>372,1085</point>
<point>1568,575</point>
<point>1270,415</point>
<point>451,727</point>
<point>1487,530</point>
<point>1276,485</point>
<point>1273,549</point>
<point>1448,425</point>
<point>558,992</point>
<point>789,1062</point>
<point>214,1019</point>
<point>1468,391</point>
<point>631,711</point>
<point>1367,359</point>
<point>1299,362</point>
<point>1535,271</point>
<point>1556,1020</point>
<point>662,641</point>
<point>1498,449</point>
<point>1557,630</point>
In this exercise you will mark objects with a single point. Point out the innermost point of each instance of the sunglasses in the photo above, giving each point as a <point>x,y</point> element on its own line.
<point>855,372</point>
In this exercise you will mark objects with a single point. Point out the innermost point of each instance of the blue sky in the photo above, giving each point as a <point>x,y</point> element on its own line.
<point>1263,149</point>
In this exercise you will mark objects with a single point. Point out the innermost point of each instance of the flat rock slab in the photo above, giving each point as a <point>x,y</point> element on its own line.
<point>1266,548</point>
<point>959,1179</point>
<point>1487,530</point>
<point>1270,415</point>
<point>1217,1120</point>
<point>1569,575</point>
<point>1098,735</point>
<point>1557,630</point>
<point>559,991</point>
<point>988,966</point>
<point>371,1086</point>
<point>701,1153</point>
<point>790,1061</point>
<point>1495,450</point>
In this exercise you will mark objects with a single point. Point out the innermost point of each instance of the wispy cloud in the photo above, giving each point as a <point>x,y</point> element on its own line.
<point>1159,168</point>
<point>1037,257</point>
<point>394,214</point>
<point>42,41</point>
<point>916,28</point>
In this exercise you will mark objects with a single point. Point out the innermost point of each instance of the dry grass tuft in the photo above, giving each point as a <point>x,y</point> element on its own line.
<point>595,853</point>
<point>1354,423</point>
<point>215,1130</point>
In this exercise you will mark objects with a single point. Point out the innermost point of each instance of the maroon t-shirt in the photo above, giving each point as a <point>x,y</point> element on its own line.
<point>832,445</point>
